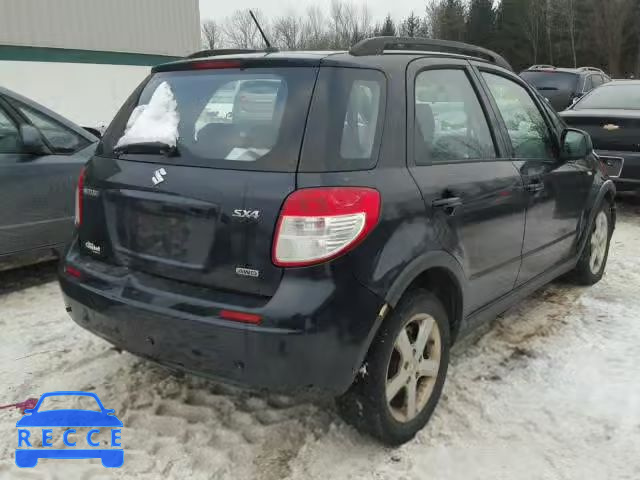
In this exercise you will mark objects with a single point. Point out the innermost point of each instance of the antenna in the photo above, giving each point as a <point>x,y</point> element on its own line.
<point>264,37</point>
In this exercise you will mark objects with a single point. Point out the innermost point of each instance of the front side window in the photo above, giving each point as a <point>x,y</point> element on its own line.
<point>60,138</point>
<point>529,133</point>
<point>597,80</point>
<point>450,125</point>
<point>588,84</point>
<point>9,135</point>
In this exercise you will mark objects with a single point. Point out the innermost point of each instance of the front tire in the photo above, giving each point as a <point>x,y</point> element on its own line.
<point>592,262</point>
<point>405,372</point>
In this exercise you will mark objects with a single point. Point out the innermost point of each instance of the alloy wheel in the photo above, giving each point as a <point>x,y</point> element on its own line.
<point>413,367</point>
<point>599,239</point>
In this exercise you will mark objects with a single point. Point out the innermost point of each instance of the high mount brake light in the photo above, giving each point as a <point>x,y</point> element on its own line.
<point>79,198</point>
<point>319,224</point>
<point>215,64</point>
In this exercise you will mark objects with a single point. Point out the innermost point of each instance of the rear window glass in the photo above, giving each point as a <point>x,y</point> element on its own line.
<point>345,120</point>
<point>551,80</point>
<point>612,96</point>
<point>238,119</point>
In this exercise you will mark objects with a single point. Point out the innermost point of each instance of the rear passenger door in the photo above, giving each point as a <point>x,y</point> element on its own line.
<point>472,191</point>
<point>556,190</point>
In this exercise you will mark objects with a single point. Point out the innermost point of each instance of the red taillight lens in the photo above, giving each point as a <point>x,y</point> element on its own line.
<point>243,317</point>
<point>319,224</point>
<point>79,195</point>
<point>73,272</point>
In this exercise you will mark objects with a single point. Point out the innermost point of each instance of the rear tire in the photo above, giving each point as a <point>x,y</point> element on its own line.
<point>592,262</point>
<point>405,372</point>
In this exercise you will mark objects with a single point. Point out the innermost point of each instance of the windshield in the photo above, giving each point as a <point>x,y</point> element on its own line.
<point>64,402</point>
<point>239,119</point>
<point>551,80</point>
<point>615,96</point>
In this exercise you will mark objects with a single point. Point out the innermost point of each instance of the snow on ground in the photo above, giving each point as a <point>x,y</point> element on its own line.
<point>550,391</point>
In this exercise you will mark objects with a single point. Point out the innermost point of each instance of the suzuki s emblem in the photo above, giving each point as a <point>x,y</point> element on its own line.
<point>611,127</point>
<point>158,176</point>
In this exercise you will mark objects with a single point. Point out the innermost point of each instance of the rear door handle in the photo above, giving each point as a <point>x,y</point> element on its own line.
<point>449,202</point>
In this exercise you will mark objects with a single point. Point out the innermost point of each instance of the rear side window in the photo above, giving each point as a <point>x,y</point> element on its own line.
<point>250,119</point>
<point>345,121</point>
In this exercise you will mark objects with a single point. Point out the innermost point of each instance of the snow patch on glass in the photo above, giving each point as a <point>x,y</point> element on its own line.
<point>155,122</point>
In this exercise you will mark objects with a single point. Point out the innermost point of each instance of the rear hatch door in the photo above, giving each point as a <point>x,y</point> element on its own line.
<point>188,181</point>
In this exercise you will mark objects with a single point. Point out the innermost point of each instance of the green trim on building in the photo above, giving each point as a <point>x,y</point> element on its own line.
<point>68,55</point>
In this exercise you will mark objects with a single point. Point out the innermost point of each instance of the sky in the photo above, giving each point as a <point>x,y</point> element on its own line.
<point>273,8</point>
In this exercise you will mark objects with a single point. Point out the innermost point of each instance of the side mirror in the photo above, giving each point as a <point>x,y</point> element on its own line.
<point>576,144</point>
<point>32,140</point>
<point>28,411</point>
<point>93,131</point>
<point>109,411</point>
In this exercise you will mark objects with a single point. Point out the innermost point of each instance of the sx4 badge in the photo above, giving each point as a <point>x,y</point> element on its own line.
<point>37,426</point>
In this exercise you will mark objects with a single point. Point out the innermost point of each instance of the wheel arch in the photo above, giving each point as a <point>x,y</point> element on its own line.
<point>607,192</point>
<point>441,274</point>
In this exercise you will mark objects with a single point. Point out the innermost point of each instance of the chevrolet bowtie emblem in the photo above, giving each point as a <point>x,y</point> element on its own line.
<point>611,127</point>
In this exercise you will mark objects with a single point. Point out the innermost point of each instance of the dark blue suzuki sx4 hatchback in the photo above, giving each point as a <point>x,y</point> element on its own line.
<point>330,221</point>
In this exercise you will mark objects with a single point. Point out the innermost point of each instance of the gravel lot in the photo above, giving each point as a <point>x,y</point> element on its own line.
<point>550,391</point>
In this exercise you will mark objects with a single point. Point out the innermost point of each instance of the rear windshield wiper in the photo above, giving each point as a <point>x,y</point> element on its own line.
<point>548,88</point>
<point>148,148</point>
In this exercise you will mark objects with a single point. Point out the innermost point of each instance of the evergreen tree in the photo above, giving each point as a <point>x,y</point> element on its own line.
<point>411,26</point>
<point>452,21</point>
<point>512,41</point>
<point>481,23</point>
<point>388,27</point>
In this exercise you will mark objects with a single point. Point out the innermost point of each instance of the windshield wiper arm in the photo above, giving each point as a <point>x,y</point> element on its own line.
<point>148,148</point>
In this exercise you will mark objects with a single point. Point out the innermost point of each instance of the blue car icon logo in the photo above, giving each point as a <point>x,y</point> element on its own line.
<point>39,423</point>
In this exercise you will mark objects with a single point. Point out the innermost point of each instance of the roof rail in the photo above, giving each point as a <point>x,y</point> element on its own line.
<point>590,69</point>
<point>539,67</point>
<point>380,45</point>
<point>228,51</point>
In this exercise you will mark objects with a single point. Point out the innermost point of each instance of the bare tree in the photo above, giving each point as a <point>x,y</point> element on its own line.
<point>548,21</point>
<point>533,26</point>
<point>569,14</point>
<point>349,23</point>
<point>613,29</point>
<point>316,29</point>
<point>210,34</point>
<point>240,30</point>
<point>289,32</point>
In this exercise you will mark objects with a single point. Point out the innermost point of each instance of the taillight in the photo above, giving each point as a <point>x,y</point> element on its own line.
<point>319,224</point>
<point>79,195</point>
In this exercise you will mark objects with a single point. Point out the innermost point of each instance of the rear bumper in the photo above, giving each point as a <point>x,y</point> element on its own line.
<point>314,334</point>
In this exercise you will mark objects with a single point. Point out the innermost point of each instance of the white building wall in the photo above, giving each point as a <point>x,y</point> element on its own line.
<point>163,27</point>
<point>88,94</point>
